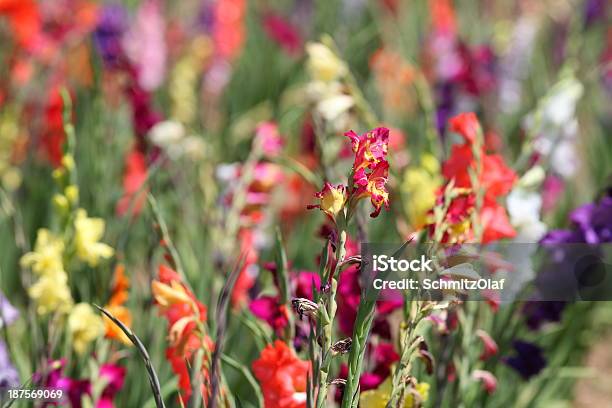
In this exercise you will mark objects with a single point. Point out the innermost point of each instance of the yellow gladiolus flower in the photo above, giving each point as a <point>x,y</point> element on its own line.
<point>323,64</point>
<point>51,293</point>
<point>84,326</point>
<point>379,397</point>
<point>47,255</point>
<point>332,199</point>
<point>88,232</point>
<point>421,184</point>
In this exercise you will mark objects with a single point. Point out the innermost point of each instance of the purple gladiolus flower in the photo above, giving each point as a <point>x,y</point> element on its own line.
<point>539,312</point>
<point>108,34</point>
<point>8,314</point>
<point>9,377</point>
<point>591,224</point>
<point>528,361</point>
<point>594,10</point>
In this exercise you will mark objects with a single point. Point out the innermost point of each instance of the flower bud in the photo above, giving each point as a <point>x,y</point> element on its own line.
<point>305,307</point>
<point>61,203</point>
<point>342,346</point>
<point>72,193</point>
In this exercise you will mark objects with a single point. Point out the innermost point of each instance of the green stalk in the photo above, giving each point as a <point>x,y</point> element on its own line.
<point>327,314</point>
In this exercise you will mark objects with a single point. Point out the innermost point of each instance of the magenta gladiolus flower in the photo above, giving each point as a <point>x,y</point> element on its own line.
<point>269,309</point>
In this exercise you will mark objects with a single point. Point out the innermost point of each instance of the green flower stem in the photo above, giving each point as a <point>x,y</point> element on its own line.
<point>409,345</point>
<point>327,313</point>
<point>363,323</point>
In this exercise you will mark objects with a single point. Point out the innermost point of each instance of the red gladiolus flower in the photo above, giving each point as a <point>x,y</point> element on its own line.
<point>495,223</point>
<point>494,178</point>
<point>373,185</point>
<point>370,148</point>
<point>24,20</point>
<point>466,124</point>
<point>134,176</point>
<point>53,130</point>
<point>489,345</point>
<point>282,376</point>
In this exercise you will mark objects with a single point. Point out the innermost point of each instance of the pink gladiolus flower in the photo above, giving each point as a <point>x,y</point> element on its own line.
<point>489,382</point>
<point>373,185</point>
<point>490,346</point>
<point>271,141</point>
<point>370,148</point>
<point>146,47</point>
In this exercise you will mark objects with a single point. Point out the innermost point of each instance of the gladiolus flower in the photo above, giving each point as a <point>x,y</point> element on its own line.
<point>282,376</point>
<point>114,377</point>
<point>370,148</point>
<point>24,19</point>
<point>467,125</point>
<point>51,293</point>
<point>186,316</point>
<point>8,313</point>
<point>528,361</point>
<point>373,185</point>
<point>488,380</point>
<point>134,177</point>
<point>269,309</point>
<point>332,199</point>
<point>84,326</point>
<point>269,137</point>
<point>493,177</point>
<point>323,64</point>
<point>9,377</point>
<point>168,295</point>
<point>490,346</point>
<point>87,233</point>
<point>116,308</point>
<point>379,397</point>
<point>421,184</point>
<point>283,33</point>
<point>47,255</point>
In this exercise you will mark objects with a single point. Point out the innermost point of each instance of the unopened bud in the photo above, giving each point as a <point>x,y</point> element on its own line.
<point>60,202</point>
<point>305,307</point>
<point>342,346</point>
<point>72,193</point>
<point>339,382</point>
<point>68,162</point>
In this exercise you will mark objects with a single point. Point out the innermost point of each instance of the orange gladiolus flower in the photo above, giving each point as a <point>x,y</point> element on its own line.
<point>186,319</point>
<point>168,295</point>
<point>116,307</point>
<point>282,376</point>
